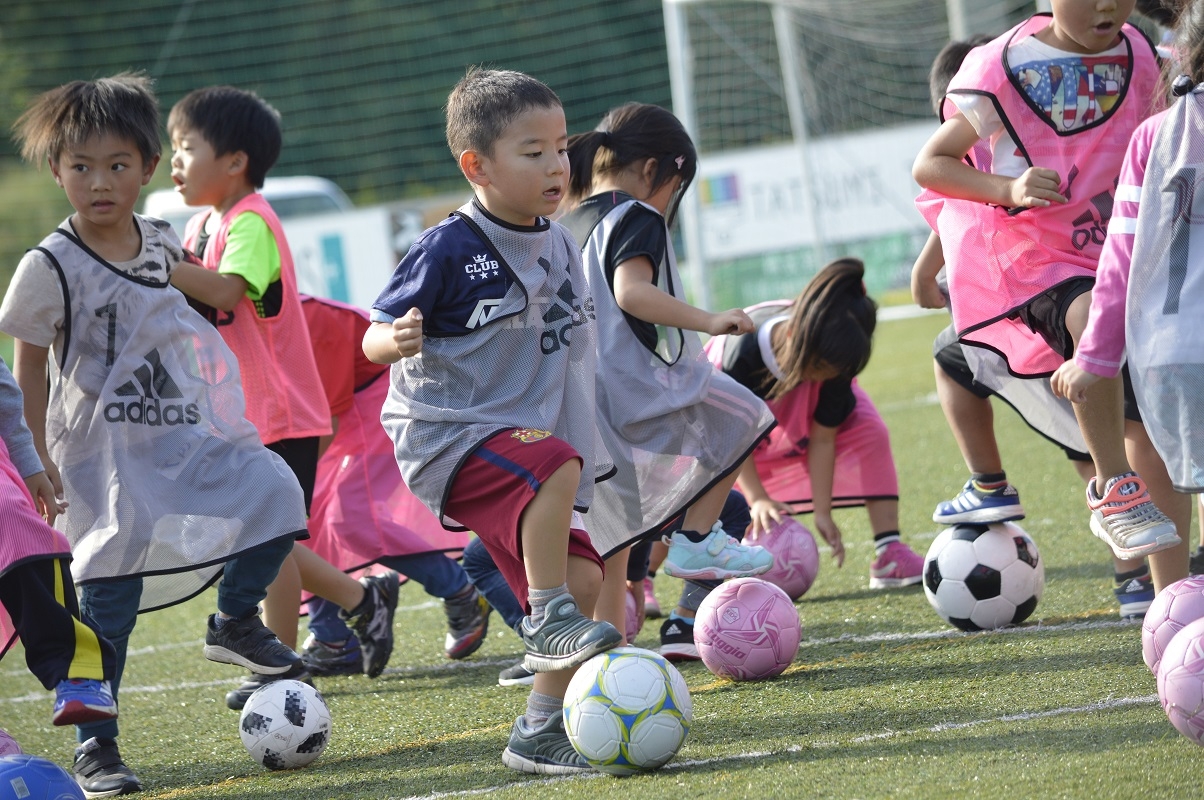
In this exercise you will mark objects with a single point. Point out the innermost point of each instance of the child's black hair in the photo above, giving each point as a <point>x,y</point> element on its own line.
<point>123,105</point>
<point>946,64</point>
<point>831,324</point>
<point>485,101</point>
<point>232,119</point>
<point>631,134</point>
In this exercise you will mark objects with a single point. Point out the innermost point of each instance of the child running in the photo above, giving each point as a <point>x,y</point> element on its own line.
<point>141,421</point>
<point>362,512</point>
<point>676,429</point>
<point>968,377</point>
<point>489,326</point>
<point>1056,98</point>
<point>64,652</point>
<point>1143,303</point>
<point>224,141</point>
<point>831,449</point>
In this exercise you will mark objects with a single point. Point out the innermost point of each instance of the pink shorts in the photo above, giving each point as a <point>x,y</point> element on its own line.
<point>492,489</point>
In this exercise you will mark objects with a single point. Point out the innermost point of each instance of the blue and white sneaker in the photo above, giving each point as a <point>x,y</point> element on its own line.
<point>716,558</point>
<point>1135,597</point>
<point>83,700</point>
<point>975,506</point>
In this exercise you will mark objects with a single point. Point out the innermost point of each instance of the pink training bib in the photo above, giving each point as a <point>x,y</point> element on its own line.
<point>997,261</point>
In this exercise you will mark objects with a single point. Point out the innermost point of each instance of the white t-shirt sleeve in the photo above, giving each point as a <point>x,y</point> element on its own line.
<point>979,110</point>
<point>32,310</point>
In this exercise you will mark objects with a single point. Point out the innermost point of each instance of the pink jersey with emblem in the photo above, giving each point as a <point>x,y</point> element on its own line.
<point>280,381</point>
<point>997,261</point>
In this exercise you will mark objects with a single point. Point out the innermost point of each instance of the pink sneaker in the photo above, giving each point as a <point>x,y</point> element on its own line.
<point>652,609</point>
<point>897,566</point>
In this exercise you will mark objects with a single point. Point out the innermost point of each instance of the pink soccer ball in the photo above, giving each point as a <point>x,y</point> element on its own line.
<point>1174,607</point>
<point>1181,681</point>
<point>8,745</point>
<point>633,620</point>
<point>747,629</point>
<point>795,556</point>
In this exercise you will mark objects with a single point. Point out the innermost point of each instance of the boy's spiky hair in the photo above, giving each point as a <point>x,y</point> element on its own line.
<point>485,101</point>
<point>123,105</point>
<point>232,119</point>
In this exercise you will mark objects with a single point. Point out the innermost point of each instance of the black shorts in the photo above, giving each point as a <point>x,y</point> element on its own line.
<point>301,455</point>
<point>951,357</point>
<point>1045,314</point>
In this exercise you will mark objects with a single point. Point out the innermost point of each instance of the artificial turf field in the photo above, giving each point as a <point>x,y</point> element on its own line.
<point>883,700</point>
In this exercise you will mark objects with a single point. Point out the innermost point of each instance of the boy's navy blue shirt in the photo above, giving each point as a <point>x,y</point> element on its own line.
<point>449,274</point>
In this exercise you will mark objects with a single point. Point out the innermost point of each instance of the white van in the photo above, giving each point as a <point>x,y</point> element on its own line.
<point>290,197</point>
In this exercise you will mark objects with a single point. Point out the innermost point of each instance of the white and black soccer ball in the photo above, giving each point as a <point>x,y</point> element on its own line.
<point>285,724</point>
<point>980,577</point>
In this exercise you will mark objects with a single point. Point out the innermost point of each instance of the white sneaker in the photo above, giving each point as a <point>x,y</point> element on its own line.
<point>716,558</point>
<point>1127,519</point>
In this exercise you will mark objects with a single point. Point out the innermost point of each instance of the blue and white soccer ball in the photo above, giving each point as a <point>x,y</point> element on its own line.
<point>980,577</point>
<point>34,778</point>
<point>285,724</point>
<point>627,710</point>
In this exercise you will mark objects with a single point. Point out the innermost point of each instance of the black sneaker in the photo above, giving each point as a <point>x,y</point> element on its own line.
<point>248,643</point>
<point>1196,564</point>
<point>100,772</point>
<point>467,623</point>
<point>323,660</point>
<point>565,637</point>
<point>677,640</point>
<point>516,675</point>
<point>372,620</point>
<point>237,698</point>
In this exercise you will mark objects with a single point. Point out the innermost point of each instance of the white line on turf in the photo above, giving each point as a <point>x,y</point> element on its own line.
<point>1103,705</point>
<point>871,638</point>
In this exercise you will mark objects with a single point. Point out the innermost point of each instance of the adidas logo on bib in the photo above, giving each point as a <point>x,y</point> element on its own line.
<point>150,392</point>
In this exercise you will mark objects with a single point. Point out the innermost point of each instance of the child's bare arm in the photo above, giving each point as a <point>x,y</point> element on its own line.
<point>212,288</point>
<point>636,294</point>
<point>940,167</point>
<point>924,289</point>
<point>389,342</point>
<point>29,370</point>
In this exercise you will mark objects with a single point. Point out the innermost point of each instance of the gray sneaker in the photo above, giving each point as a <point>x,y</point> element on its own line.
<point>566,637</point>
<point>467,623</point>
<point>516,675</point>
<point>545,750</point>
<point>372,620</point>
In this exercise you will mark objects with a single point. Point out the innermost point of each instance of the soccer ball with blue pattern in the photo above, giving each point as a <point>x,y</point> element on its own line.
<point>34,778</point>
<point>627,710</point>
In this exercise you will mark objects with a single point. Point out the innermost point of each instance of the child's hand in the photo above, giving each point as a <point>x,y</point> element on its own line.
<point>767,511</point>
<point>407,333</point>
<point>1036,188</point>
<point>926,292</point>
<point>46,499</point>
<point>730,322</point>
<point>1072,382</point>
<point>831,532</point>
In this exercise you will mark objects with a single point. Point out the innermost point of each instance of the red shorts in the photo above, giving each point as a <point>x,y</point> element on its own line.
<point>492,489</point>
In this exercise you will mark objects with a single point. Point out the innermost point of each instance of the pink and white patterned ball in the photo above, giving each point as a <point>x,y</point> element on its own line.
<point>795,556</point>
<point>1181,681</point>
<point>1174,607</point>
<point>747,629</point>
<point>8,745</point>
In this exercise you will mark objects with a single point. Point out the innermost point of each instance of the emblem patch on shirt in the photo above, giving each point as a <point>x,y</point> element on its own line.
<point>529,435</point>
<point>145,399</point>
